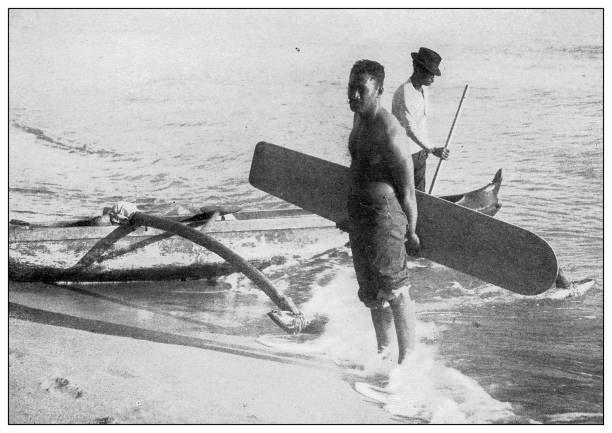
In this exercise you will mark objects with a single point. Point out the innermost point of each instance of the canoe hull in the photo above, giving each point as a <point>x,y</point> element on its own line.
<point>37,254</point>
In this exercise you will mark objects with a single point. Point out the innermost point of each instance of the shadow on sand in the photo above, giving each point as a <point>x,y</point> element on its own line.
<point>22,312</point>
<point>209,327</point>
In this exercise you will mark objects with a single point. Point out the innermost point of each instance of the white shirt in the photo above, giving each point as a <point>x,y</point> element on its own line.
<point>409,106</point>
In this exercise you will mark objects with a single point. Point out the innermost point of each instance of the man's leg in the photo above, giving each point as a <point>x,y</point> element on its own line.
<point>419,163</point>
<point>405,321</point>
<point>382,319</point>
<point>390,262</point>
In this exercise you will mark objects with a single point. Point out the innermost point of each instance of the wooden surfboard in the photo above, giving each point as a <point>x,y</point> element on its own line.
<point>451,235</point>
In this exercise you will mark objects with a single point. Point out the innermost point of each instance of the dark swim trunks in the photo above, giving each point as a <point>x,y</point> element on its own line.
<point>378,244</point>
<point>419,161</point>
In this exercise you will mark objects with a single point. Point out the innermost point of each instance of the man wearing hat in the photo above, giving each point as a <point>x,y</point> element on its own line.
<point>409,106</point>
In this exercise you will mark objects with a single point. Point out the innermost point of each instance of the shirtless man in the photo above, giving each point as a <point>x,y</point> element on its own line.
<point>382,207</point>
<point>409,106</point>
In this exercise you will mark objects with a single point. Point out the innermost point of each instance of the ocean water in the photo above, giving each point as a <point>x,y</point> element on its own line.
<point>164,108</point>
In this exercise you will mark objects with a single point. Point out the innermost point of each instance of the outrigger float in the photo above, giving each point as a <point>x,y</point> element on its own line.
<point>216,241</point>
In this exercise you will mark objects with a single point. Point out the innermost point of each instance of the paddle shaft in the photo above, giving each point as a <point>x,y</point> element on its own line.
<point>448,139</point>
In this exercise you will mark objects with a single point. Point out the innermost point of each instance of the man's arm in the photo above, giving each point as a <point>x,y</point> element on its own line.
<point>399,161</point>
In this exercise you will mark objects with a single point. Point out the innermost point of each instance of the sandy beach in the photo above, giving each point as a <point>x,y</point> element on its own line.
<point>77,368</point>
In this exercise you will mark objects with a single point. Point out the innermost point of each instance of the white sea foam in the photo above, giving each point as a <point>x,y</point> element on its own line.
<point>489,293</point>
<point>496,294</point>
<point>423,386</point>
<point>240,284</point>
<point>575,291</point>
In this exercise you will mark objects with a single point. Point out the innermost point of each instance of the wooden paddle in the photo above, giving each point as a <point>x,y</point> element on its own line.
<point>448,139</point>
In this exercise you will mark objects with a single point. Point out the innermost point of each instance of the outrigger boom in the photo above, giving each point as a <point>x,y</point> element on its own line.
<point>292,321</point>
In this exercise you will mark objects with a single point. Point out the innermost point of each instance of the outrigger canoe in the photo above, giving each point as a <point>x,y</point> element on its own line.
<point>50,253</point>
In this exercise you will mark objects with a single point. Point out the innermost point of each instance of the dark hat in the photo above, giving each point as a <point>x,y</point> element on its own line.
<point>429,59</point>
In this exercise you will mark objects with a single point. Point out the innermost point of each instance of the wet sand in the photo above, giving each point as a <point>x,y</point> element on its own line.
<point>74,360</point>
